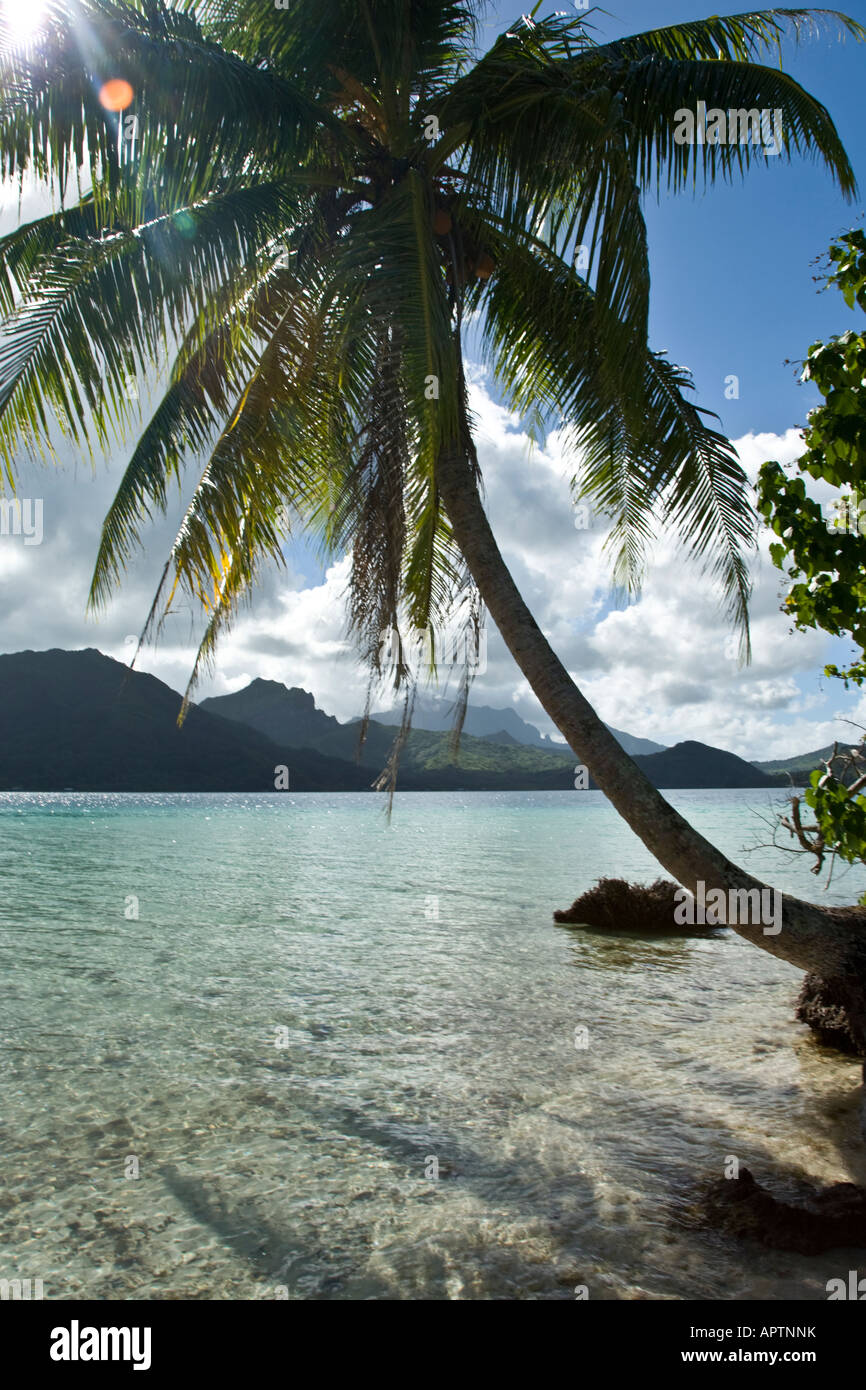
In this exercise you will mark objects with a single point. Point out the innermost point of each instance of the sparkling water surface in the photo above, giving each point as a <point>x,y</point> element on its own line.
<point>314,1011</point>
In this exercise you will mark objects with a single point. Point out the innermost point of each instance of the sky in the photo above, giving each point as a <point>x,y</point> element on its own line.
<point>732,294</point>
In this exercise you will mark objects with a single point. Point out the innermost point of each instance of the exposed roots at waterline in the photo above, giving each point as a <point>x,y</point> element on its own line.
<point>835,1010</point>
<point>616,905</point>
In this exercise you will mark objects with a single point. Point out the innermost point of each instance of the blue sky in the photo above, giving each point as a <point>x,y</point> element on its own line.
<point>732,288</point>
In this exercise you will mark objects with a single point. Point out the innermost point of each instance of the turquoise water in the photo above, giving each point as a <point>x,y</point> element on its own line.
<point>313,1011</point>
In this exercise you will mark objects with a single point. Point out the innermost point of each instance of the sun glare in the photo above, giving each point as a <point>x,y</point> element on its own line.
<point>22,17</point>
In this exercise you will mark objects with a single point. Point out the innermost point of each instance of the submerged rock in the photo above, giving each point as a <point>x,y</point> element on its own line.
<point>616,905</point>
<point>825,1218</point>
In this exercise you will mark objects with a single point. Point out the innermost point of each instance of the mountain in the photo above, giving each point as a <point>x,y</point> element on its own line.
<point>483,720</point>
<point>501,736</point>
<point>797,769</point>
<point>283,714</point>
<point>496,759</point>
<point>691,764</point>
<point>290,718</point>
<point>82,720</point>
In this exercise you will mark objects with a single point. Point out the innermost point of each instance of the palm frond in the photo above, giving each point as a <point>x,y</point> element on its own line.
<point>734,38</point>
<point>201,113</point>
<point>92,309</point>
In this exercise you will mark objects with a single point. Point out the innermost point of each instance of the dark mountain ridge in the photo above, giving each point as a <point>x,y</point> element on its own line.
<point>81,720</point>
<point>84,721</point>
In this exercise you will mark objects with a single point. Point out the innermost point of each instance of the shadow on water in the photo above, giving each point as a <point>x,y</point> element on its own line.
<point>319,1257</point>
<point>327,1250</point>
<point>238,1224</point>
<point>270,1251</point>
<point>316,1261</point>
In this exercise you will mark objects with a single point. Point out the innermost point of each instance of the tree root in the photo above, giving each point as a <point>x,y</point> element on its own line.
<point>617,905</point>
<point>835,1010</point>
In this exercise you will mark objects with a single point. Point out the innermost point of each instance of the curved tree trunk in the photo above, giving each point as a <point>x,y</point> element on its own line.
<point>829,942</point>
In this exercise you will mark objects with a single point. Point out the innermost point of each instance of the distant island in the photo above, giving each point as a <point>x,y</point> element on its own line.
<point>80,720</point>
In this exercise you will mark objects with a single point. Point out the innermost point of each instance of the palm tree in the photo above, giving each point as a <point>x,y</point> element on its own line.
<point>304,204</point>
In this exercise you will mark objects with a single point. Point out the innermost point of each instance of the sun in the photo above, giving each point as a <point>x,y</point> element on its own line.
<point>21,18</point>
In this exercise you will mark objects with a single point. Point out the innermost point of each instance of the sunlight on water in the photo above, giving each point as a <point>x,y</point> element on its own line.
<point>287,1015</point>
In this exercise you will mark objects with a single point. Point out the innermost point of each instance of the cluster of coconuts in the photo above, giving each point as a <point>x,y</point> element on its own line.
<point>482,263</point>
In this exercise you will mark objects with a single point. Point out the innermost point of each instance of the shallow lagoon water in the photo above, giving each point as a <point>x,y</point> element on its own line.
<point>315,1011</point>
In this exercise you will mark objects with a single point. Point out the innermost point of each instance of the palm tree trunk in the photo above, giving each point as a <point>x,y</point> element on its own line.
<point>829,942</point>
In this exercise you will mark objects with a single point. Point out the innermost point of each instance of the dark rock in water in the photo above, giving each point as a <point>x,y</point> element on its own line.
<point>835,1010</point>
<point>616,905</point>
<point>826,1219</point>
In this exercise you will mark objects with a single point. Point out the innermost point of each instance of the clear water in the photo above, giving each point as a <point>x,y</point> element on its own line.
<point>299,1162</point>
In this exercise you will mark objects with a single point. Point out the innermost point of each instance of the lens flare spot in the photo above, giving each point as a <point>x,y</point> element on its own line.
<point>116,94</point>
